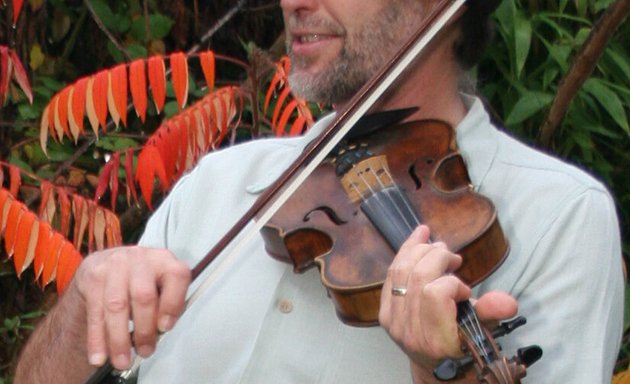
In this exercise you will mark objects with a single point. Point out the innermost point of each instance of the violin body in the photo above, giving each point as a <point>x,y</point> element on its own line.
<point>325,225</point>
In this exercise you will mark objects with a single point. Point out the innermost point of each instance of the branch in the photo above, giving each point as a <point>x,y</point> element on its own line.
<point>582,67</point>
<point>107,33</point>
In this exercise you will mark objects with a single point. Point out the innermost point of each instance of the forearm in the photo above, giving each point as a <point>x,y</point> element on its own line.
<point>56,352</point>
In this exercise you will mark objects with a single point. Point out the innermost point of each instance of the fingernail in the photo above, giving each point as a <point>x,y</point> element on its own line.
<point>144,350</point>
<point>97,359</point>
<point>121,361</point>
<point>166,323</point>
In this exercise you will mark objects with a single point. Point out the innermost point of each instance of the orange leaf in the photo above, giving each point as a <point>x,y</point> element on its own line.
<point>25,241</point>
<point>20,76</point>
<point>284,119</point>
<point>112,230</point>
<point>298,126</point>
<point>47,206</point>
<point>11,229</point>
<point>76,105</point>
<point>6,201</point>
<point>43,130</point>
<point>284,94</point>
<point>149,166</point>
<point>179,76</point>
<point>69,260</point>
<point>90,107</point>
<point>15,180</point>
<point>138,85</point>
<point>98,230</point>
<point>61,113</point>
<point>52,259</point>
<point>157,81</point>
<point>207,61</point>
<point>17,8</point>
<point>117,94</point>
<point>42,248</point>
<point>275,81</point>
<point>99,97</point>
<point>81,218</point>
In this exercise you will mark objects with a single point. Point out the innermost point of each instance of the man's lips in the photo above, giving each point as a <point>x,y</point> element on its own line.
<point>308,43</point>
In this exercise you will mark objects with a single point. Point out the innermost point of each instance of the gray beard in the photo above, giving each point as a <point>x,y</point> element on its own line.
<point>363,54</point>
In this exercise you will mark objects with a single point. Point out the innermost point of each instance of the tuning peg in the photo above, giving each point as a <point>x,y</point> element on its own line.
<point>529,355</point>
<point>448,369</point>
<point>508,326</point>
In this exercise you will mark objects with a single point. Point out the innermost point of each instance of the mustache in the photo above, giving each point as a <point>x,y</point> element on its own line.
<point>322,24</point>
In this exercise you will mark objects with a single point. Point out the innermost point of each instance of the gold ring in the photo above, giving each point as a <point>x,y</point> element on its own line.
<point>399,291</point>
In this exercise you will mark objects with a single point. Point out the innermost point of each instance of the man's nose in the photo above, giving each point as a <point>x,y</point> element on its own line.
<point>292,6</point>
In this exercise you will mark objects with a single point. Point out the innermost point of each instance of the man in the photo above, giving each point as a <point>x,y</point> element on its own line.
<point>261,323</point>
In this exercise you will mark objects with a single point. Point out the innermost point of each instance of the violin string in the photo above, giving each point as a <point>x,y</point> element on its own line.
<point>404,200</point>
<point>391,216</point>
<point>474,331</point>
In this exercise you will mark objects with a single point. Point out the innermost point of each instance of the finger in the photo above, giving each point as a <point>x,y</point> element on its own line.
<point>420,235</point>
<point>435,263</point>
<point>144,305</point>
<point>96,343</point>
<point>174,280</point>
<point>116,305</point>
<point>441,295</point>
<point>496,305</point>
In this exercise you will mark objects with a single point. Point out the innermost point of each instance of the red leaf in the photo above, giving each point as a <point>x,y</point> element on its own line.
<point>17,8</point>
<point>64,205</point>
<point>113,178</point>
<point>42,249</point>
<point>131,185</point>
<point>179,76</point>
<point>117,94</point>
<point>5,73</point>
<point>15,178</point>
<point>275,81</point>
<point>298,126</point>
<point>103,181</point>
<point>20,76</point>
<point>207,61</point>
<point>138,85</point>
<point>157,81</point>
<point>149,166</point>
<point>25,241</point>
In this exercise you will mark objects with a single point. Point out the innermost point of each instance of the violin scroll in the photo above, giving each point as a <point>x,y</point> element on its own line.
<point>484,352</point>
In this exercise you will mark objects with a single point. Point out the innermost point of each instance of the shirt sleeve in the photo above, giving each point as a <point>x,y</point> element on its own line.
<point>573,295</point>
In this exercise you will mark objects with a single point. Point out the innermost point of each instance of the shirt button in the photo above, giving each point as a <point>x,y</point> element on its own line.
<point>285,306</point>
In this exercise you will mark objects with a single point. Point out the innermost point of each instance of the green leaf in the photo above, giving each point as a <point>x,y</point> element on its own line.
<point>159,25</point>
<point>609,100</point>
<point>528,104</point>
<point>522,41</point>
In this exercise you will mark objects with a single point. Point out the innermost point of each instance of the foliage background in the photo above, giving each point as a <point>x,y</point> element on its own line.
<point>60,41</point>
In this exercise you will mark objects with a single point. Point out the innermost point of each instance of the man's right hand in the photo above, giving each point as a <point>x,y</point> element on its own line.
<point>147,286</point>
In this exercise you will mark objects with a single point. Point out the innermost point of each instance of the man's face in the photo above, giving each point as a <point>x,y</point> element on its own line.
<point>335,46</point>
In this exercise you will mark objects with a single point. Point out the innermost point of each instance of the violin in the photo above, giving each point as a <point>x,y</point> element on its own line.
<point>479,345</point>
<point>350,217</point>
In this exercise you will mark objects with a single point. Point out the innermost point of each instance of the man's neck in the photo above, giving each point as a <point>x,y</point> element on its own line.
<point>432,84</point>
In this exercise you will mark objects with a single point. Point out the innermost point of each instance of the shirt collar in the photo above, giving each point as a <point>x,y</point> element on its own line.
<point>476,140</point>
<point>474,134</point>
